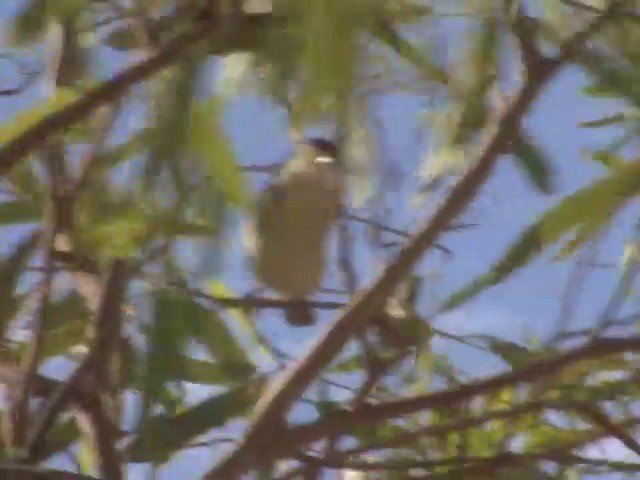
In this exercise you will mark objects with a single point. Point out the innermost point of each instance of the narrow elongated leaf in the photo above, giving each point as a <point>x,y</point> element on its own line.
<point>165,435</point>
<point>10,270</point>
<point>604,121</point>
<point>168,138</point>
<point>14,212</point>
<point>387,35</point>
<point>209,144</point>
<point>218,289</point>
<point>534,163</point>
<point>594,204</point>
<point>611,79</point>
<point>167,340</point>
<point>30,22</point>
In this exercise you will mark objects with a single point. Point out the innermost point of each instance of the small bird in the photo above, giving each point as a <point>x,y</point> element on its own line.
<point>294,216</point>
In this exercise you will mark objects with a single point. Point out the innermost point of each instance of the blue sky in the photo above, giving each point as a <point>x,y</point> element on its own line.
<point>526,304</point>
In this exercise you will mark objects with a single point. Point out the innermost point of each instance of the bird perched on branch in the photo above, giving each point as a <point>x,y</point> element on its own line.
<point>293,218</point>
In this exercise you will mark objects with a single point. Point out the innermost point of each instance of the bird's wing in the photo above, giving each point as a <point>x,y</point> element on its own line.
<point>267,199</point>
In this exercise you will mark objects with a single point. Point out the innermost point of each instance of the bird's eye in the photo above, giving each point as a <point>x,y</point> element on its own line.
<point>324,159</point>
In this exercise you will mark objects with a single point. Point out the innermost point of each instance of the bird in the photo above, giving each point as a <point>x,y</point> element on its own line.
<point>293,219</point>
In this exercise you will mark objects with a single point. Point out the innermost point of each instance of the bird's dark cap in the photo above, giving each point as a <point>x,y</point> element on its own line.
<point>324,146</point>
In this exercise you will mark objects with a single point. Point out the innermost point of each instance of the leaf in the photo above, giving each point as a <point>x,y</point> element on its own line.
<point>10,271</point>
<point>167,337</point>
<point>169,136</point>
<point>26,119</point>
<point>14,212</point>
<point>327,31</point>
<point>389,36</point>
<point>218,289</point>
<point>594,204</point>
<point>534,163</point>
<point>612,79</point>
<point>205,372</point>
<point>513,353</point>
<point>608,159</point>
<point>604,121</point>
<point>60,340</point>
<point>210,145</point>
<point>164,435</point>
<point>30,22</point>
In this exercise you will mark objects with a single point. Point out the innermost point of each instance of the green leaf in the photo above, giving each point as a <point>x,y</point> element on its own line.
<point>10,271</point>
<point>608,159</point>
<point>328,34</point>
<point>594,204</point>
<point>387,35</point>
<point>14,212</point>
<point>60,340</point>
<point>513,353</point>
<point>218,289</point>
<point>209,144</point>
<point>167,339</point>
<point>165,435</point>
<point>604,121</point>
<point>534,163</point>
<point>205,372</point>
<point>30,22</point>
<point>26,119</point>
<point>168,138</point>
<point>612,79</point>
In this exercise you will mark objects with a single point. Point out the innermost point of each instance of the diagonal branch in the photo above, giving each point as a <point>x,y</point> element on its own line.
<point>107,92</point>
<point>265,429</point>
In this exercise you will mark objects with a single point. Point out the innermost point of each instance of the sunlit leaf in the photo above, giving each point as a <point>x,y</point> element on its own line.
<point>242,318</point>
<point>26,119</point>
<point>608,159</point>
<point>168,138</point>
<point>208,142</point>
<point>596,204</point>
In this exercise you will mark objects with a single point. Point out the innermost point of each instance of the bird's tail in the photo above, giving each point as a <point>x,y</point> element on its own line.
<point>299,315</point>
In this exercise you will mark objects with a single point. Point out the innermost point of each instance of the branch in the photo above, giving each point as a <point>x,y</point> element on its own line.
<point>22,472</point>
<point>107,92</point>
<point>92,370</point>
<point>342,421</point>
<point>265,429</point>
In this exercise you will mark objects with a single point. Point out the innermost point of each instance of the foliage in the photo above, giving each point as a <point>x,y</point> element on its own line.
<point>153,172</point>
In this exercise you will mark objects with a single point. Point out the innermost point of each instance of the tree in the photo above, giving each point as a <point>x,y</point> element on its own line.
<point>127,164</point>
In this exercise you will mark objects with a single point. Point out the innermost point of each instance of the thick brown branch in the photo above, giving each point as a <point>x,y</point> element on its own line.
<point>265,426</point>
